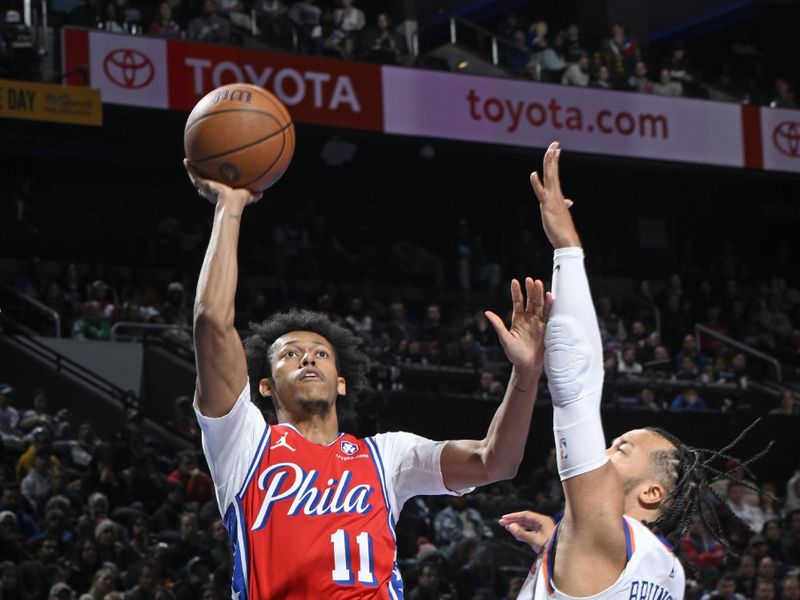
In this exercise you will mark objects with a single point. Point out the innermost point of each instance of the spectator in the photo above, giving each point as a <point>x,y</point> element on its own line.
<point>456,523</point>
<point>83,569</point>
<point>725,590</point>
<point>700,547</point>
<point>735,501</point>
<point>639,81</point>
<point>790,588</point>
<point>39,415</point>
<point>185,421</point>
<point>82,451</point>
<point>428,583</point>
<point>784,95</point>
<point>10,433</point>
<point>518,56</point>
<point>577,73</point>
<point>791,537</point>
<point>102,583</point>
<point>678,66</point>
<point>767,508</point>
<point>93,324</point>
<point>358,321</point>
<point>628,365</point>
<point>381,44</point>
<point>167,516</point>
<point>306,17</point>
<point>210,27</point>
<point>666,86</point>
<point>774,320</point>
<point>41,439</point>
<point>197,486</point>
<point>621,49</point>
<point>146,582</point>
<point>689,399</point>
<point>772,533</point>
<point>602,78</point>
<point>574,49</point>
<point>691,350</point>
<point>188,545</point>
<point>348,21</point>
<point>10,585</point>
<point>746,575</point>
<point>477,576</point>
<point>164,26</point>
<point>35,486</point>
<point>765,590</point>
<point>489,386</point>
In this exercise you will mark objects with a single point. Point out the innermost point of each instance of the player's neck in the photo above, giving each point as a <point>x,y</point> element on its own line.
<point>320,429</point>
<point>635,511</point>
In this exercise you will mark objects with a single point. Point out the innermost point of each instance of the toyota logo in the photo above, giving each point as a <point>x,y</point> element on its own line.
<point>128,68</point>
<point>786,138</point>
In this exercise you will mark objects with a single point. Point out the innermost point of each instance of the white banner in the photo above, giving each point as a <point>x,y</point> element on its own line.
<point>521,113</point>
<point>780,139</point>
<point>129,70</point>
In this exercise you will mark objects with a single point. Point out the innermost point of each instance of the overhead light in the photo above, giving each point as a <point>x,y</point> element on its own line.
<point>463,64</point>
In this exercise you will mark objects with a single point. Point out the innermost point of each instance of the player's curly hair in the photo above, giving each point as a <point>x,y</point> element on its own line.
<point>687,474</point>
<point>351,361</point>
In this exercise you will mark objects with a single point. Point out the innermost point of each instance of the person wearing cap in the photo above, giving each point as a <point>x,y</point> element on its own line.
<point>41,439</point>
<point>198,574</point>
<point>39,415</point>
<point>61,591</point>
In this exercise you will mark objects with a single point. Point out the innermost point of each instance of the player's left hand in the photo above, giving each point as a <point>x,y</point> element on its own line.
<point>527,526</point>
<point>523,341</point>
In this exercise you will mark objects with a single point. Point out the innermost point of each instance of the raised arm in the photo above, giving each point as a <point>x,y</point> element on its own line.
<point>468,463</point>
<point>219,355</point>
<point>591,537</point>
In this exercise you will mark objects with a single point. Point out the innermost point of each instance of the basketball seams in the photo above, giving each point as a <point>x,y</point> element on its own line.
<point>239,148</point>
<point>229,110</point>
<point>274,162</point>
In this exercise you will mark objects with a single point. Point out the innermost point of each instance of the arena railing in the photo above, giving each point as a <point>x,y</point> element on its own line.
<point>144,327</point>
<point>702,329</point>
<point>28,304</point>
<point>456,23</point>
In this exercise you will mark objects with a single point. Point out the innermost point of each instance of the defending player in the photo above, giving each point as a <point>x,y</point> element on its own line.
<point>311,511</point>
<point>619,499</point>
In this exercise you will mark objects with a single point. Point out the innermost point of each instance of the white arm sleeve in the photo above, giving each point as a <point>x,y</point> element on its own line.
<point>573,362</point>
<point>412,465</point>
<point>230,444</point>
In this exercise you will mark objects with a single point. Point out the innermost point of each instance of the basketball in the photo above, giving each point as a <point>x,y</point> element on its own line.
<point>240,135</point>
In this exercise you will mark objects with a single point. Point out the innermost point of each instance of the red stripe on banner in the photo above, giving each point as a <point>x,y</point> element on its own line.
<point>751,137</point>
<point>75,56</point>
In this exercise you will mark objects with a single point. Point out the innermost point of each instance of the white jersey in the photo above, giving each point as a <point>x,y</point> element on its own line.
<point>652,573</point>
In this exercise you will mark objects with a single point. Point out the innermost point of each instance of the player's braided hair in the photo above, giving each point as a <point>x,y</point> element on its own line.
<point>688,473</point>
<point>351,362</point>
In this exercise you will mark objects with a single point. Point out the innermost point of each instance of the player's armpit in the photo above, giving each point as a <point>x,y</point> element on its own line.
<point>591,535</point>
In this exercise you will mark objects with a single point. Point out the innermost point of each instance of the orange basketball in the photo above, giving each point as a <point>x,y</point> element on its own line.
<point>241,135</point>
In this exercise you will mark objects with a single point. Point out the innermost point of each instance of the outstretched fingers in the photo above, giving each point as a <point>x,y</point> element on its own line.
<point>550,167</point>
<point>534,289</point>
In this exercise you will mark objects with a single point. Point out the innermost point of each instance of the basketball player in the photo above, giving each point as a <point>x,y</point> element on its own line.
<point>311,511</point>
<point>617,499</point>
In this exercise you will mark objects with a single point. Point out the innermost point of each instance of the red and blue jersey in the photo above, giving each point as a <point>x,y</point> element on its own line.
<point>307,520</point>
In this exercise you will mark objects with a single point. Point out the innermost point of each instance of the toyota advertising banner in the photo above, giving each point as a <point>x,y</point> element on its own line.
<point>174,74</point>
<point>152,72</point>
<point>519,113</point>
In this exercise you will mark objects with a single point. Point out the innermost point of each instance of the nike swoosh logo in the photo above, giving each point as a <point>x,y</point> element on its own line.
<point>556,268</point>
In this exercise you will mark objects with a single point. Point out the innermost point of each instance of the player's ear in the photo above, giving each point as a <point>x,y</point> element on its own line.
<point>341,386</point>
<point>265,387</point>
<point>652,495</point>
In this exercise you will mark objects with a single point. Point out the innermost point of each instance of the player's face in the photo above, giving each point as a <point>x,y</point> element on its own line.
<point>631,455</point>
<point>304,373</point>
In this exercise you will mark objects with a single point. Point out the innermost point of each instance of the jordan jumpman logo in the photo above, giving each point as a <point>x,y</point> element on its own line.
<point>281,443</point>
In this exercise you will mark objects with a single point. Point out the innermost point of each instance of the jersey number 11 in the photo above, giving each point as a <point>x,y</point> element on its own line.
<point>342,573</point>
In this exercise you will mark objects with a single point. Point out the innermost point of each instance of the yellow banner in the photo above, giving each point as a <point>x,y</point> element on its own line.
<point>49,102</point>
